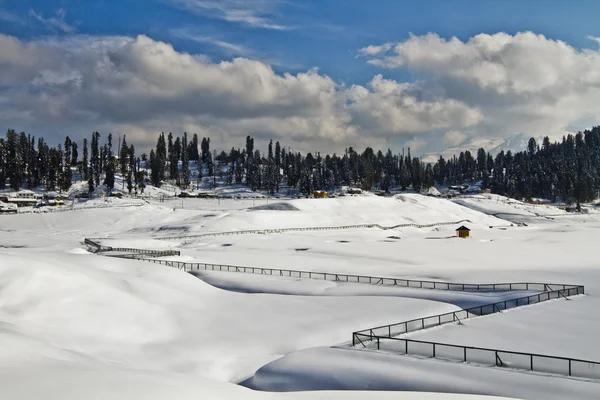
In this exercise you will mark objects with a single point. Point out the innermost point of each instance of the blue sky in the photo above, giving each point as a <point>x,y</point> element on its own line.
<point>294,36</point>
<point>323,34</point>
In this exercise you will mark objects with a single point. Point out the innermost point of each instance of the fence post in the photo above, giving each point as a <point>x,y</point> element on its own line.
<point>377,343</point>
<point>434,350</point>
<point>465,354</point>
<point>531,362</point>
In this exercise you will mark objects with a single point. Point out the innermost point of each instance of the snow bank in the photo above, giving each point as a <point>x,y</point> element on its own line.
<point>348,369</point>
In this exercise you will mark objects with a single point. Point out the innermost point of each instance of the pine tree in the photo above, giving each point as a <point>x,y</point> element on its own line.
<point>232,166</point>
<point>154,169</point>
<point>84,162</point>
<point>67,174</point>
<point>185,167</point>
<point>2,164</point>
<point>205,146</point>
<point>74,154</point>
<point>95,158</point>
<point>90,183</point>
<point>193,153</point>
<point>239,167</point>
<point>124,157</point>
<point>209,165</point>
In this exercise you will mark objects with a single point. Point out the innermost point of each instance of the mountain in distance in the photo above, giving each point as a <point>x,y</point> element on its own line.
<point>514,143</point>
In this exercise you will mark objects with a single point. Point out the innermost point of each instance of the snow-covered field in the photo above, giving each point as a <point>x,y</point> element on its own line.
<point>82,325</point>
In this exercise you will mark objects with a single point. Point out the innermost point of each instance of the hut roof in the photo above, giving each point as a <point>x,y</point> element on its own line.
<point>463,228</point>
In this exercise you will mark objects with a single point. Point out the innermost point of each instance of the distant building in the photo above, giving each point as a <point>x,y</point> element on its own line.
<point>354,191</point>
<point>320,194</point>
<point>463,232</point>
<point>7,208</point>
<point>26,194</point>
<point>540,201</point>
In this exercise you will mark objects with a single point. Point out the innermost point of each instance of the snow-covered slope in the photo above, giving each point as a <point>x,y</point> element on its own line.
<point>514,143</point>
<point>78,325</point>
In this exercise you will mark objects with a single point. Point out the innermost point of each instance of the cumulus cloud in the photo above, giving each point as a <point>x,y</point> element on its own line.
<point>140,86</point>
<point>388,107</point>
<point>520,83</point>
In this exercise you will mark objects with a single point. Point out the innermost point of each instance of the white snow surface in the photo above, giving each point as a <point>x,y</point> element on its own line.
<point>78,325</point>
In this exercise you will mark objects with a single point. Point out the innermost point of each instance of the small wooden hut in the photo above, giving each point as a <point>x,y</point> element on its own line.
<point>463,232</point>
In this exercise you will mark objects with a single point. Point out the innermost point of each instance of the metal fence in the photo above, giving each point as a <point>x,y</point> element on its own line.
<point>484,356</point>
<point>128,252</point>
<point>386,338</point>
<point>374,280</point>
<point>392,330</point>
<point>338,277</point>
<point>311,228</point>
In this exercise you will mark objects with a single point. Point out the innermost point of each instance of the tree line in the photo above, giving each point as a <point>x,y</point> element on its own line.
<point>567,170</point>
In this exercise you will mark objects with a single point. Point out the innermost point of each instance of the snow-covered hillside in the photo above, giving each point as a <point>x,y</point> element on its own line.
<point>514,143</point>
<point>78,325</point>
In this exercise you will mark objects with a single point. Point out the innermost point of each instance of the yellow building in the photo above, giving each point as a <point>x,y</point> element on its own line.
<point>320,194</point>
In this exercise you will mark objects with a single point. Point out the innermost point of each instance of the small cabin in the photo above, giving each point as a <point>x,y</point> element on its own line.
<point>320,194</point>
<point>463,232</point>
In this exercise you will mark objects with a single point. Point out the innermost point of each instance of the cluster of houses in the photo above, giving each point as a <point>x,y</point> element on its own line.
<point>11,202</point>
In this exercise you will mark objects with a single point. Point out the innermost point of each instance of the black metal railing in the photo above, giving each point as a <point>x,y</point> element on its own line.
<point>311,228</point>
<point>483,356</point>
<point>386,338</point>
<point>400,328</point>
<point>351,278</point>
<point>128,252</point>
<point>373,280</point>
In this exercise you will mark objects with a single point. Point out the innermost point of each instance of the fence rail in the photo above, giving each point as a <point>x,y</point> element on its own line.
<point>400,328</point>
<point>339,277</point>
<point>129,252</point>
<point>311,228</point>
<point>484,356</point>
<point>386,337</point>
<point>374,280</point>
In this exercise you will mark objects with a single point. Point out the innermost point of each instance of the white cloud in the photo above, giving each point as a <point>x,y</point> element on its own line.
<point>453,138</point>
<point>138,85</point>
<point>594,38</point>
<point>392,108</point>
<point>55,22</point>
<point>374,50</point>
<point>520,83</point>
<point>229,48</point>
<point>251,13</point>
<point>10,17</point>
